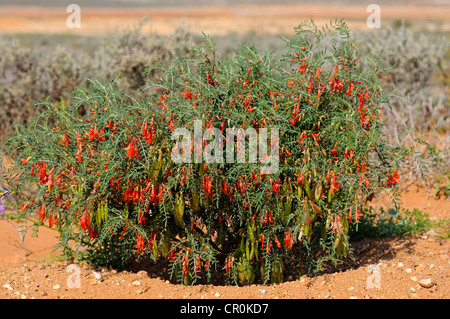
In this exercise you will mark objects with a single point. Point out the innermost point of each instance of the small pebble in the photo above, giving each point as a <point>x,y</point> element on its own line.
<point>7,286</point>
<point>56,286</point>
<point>217,294</point>
<point>427,283</point>
<point>142,273</point>
<point>97,275</point>
<point>408,270</point>
<point>136,283</point>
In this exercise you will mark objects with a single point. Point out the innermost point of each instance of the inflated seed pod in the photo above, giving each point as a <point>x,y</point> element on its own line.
<point>165,248</point>
<point>308,190</point>
<point>318,191</point>
<point>195,202</point>
<point>155,249</point>
<point>299,191</point>
<point>277,272</point>
<point>179,209</point>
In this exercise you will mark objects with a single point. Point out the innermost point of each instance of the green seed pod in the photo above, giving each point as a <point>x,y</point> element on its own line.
<point>187,278</point>
<point>195,202</point>
<point>155,249</point>
<point>165,249</point>
<point>250,231</point>
<point>247,252</point>
<point>318,191</point>
<point>250,275</point>
<point>179,209</point>
<point>299,191</point>
<point>323,232</point>
<point>252,252</point>
<point>308,190</point>
<point>277,272</point>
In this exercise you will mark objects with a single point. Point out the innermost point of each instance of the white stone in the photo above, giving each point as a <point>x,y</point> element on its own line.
<point>427,283</point>
<point>97,275</point>
<point>7,286</point>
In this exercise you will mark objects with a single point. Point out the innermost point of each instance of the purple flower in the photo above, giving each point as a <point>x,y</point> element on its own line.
<point>2,206</point>
<point>2,198</point>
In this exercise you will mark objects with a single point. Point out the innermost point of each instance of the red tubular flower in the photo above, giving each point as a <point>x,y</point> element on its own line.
<point>302,68</point>
<point>185,260</point>
<point>140,243</point>
<point>92,233</point>
<point>275,187</point>
<point>131,149</point>
<point>277,242</point>
<point>288,240</point>
<point>228,264</point>
<point>50,221</point>
<point>393,179</point>
<point>50,180</point>
<point>43,173</point>
<point>23,208</point>
<point>66,140</point>
<point>187,94</point>
<point>84,221</point>
<point>334,184</point>
<point>198,264</point>
<point>92,133</point>
<point>41,212</point>
<point>207,187</point>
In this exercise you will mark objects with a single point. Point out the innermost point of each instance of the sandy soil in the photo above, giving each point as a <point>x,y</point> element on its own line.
<point>400,264</point>
<point>215,20</point>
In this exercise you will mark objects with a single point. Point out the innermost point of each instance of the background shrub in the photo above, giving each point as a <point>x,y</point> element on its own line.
<point>34,73</point>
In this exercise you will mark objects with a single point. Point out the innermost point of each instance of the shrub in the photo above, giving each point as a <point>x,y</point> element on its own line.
<point>417,81</point>
<point>391,223</point>
<point>415,60</point>
<point>111,183</point>
<point>27,75</point>
<point>131,51</point>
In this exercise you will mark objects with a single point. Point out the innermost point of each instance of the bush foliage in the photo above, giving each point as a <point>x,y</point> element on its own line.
<point>108,182</point>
